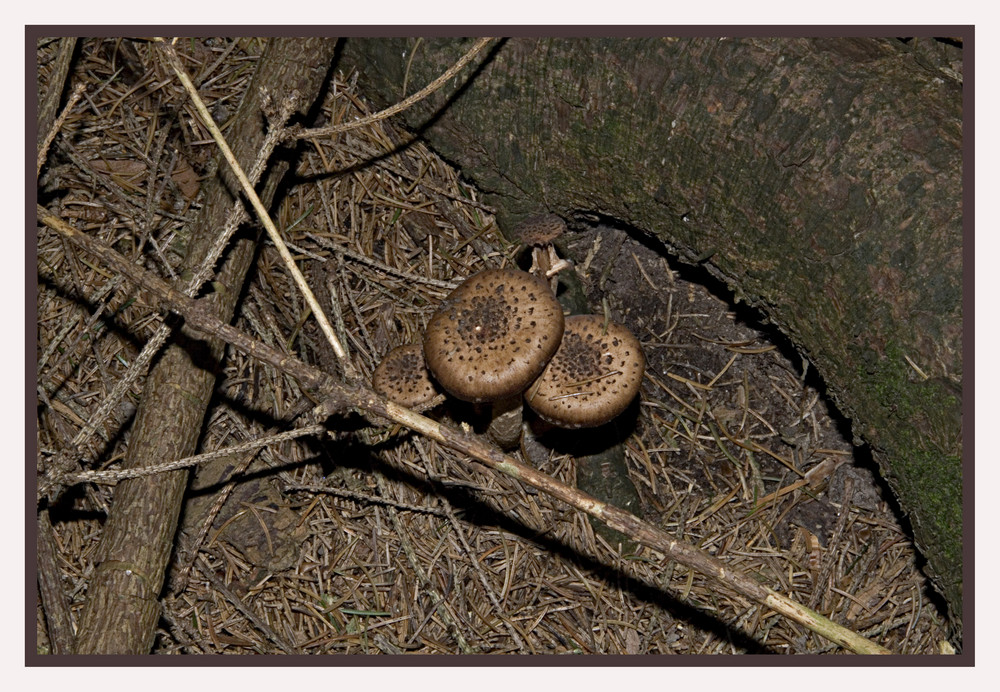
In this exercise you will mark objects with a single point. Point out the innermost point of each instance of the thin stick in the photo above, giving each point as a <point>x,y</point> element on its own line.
<point>405,103</point>
<point>53,94</point>
<point>51,590</point>
<point>381,266</point>
<point>258,206</point>
<point>43,150</point>
<point>114,476</point>
<point>341,396</point>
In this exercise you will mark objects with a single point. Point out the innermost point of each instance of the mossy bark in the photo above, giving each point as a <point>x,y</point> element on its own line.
<point>821,179</point>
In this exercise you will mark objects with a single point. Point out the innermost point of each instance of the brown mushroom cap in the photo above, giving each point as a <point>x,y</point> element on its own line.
<point>402,377</point>
<point>539,230</point>
<point>593,376</point>
<point>493,335</point>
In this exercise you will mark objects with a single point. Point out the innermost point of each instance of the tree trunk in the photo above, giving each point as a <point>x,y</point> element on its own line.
<point>122,607</point>
<point>821,179</point>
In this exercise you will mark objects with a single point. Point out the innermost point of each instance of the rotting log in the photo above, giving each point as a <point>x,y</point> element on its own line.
<point>123,597</point>
<point>820,179</point>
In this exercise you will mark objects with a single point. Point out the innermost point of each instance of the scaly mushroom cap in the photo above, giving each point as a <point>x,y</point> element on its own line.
<point>539,230</point>
<point>402,377</point>
<point>493,335</point>
<point>593,376</point>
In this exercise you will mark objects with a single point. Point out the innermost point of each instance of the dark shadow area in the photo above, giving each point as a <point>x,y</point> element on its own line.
<point>744,314</point>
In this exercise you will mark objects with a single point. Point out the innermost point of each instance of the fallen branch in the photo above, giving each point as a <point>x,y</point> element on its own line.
<point>339,397</point>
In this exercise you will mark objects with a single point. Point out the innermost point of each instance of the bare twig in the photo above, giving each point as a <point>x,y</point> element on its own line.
<point>43,149</point>
<point>381,266</point>
<point>50,590</point>
<point>48,125</point>
<point>114,476</point>
<point>258,206</point>
<point>405,103</point>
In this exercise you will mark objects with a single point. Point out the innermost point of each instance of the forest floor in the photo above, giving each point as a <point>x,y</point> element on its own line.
<point>378,541</point>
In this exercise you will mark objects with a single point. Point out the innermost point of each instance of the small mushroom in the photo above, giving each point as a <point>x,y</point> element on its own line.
<point>593,376</point>
<point>491,337</point>
<point>539,233</point>
<point>540,230</point>
<point>402,377</point>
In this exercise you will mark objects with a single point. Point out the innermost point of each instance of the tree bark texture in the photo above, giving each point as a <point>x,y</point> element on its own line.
<point>122,607</point>
<point>821,179</point>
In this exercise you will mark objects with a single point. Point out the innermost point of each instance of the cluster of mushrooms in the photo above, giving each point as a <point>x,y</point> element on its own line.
<point>501,337</point>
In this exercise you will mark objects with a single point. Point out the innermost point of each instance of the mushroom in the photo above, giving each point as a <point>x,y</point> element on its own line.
<point>402,377</point>
<point>491,337</point>
<point>593,376</point>
<point>540,232</point>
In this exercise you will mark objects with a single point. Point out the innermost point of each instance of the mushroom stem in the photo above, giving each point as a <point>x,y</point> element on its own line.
<point>546,264</point>
<point>539,262</point>
<point>505,422</point>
